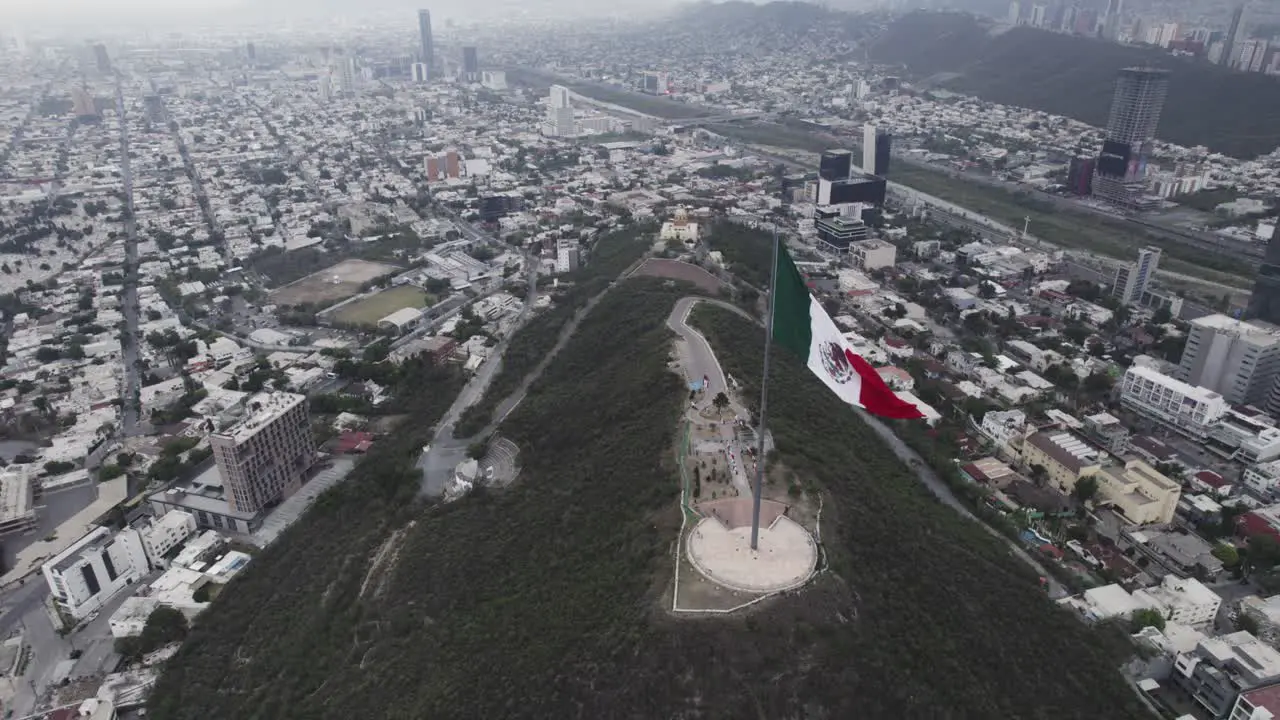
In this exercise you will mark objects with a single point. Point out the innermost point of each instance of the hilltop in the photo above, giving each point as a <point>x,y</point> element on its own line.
<point>1229,112</point>
<point>549,599</point>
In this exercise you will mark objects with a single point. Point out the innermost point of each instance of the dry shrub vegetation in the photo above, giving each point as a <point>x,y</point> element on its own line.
<point>545,600</point>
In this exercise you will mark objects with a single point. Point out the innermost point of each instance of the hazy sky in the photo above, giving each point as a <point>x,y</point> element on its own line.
<point>103,17</point>
<point>83,10</point>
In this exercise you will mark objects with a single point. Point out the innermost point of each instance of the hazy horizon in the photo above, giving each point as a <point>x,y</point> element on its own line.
<point>113,15</point>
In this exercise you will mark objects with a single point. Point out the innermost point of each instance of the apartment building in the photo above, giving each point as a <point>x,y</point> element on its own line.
<point>1238,360</point>
<point>162,534</point>
<point>1185,601</point>
<point>1261,703</point>
<point>1221,668</point>
<point>1108,431</point>
<point>873,254</point>
<point>1186,408</point>
<point>265,456</point>
<point>94,569</point>
<point>1263,478</point>
<point>1065,456</point>
<point>1131,280</point>
<point>1002,426</point>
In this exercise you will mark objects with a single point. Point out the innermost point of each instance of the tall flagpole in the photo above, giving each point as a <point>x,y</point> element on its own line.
<point>764,398</point>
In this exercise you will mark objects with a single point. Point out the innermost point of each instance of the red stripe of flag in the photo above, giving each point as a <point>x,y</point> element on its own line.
<point>876,396</point>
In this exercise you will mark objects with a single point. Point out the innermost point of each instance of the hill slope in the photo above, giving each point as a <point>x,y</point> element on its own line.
<point>549,599</point>
<point>1229,112</point>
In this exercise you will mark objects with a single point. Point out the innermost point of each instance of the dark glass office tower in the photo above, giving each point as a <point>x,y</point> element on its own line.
<point>835,165</point>
<point>103,60</point>
<point>1264,304</point>
<point>1120,175</point>
<point>884,148</point>
<point>470,64</point>
<point>1232,38</point>
<point>426,47</point>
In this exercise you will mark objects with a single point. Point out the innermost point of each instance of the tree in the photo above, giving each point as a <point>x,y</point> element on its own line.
<point>1099,383</point>
<point>977,324</point>
<point>1086,488</point>
<point>1264,552</point>
<point>1146,617</point>
<point>476,450</point>
<point>720,401</point>
<point>1161,316</point>
<point>1248,624</point>
<point>1228,554</point>
<point>1039,473</point>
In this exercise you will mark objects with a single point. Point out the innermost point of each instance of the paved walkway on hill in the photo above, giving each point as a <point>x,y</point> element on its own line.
<point>702,358</point>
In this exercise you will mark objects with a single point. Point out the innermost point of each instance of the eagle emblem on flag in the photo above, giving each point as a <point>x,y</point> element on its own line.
<point>836,363</point>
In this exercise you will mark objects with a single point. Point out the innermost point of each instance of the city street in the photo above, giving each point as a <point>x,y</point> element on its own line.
<point>445,451</point>
<point>1232,592</point>
<point>131,392</point>
<point>24,611</point>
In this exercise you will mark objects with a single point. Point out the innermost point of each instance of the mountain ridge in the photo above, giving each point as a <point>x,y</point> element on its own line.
<point>1227,111</point>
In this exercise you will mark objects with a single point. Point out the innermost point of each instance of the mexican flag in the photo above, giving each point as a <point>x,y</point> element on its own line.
<point>801,325</point>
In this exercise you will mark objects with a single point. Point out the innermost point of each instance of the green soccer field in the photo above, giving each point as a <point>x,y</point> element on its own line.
<point>375,307</point>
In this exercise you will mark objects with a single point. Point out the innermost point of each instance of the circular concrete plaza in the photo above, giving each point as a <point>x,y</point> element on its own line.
<point>785,558</point>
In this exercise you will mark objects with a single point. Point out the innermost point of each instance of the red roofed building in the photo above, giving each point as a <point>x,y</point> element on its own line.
<point>1263,521</point>
<point>896,378</point>
<point>355,441</point>
<point>1207,481</point>
<point>1052,551</point>
<point>990,471</point>
<point>896,347</point>
<point>1037,321</point>
<point>1258,704</point>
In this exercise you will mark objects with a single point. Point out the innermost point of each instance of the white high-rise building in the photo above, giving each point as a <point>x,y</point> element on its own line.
<point>1168,34</point>
<point>559,122</point>
<point>560,97</point>
<point>1252,55</point>
<point>1015,12</point>
<point>494,79</point>
<point>1038,13</point>
<point>325,88</point>
<point>420,73</point>
<point>348,76</point>
<point>1239,360</point>
<point>566,256</point>
<point>1132,280</point>
<point>869,148</point>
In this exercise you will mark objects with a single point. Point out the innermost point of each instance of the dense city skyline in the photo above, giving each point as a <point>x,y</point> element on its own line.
<point>542,360</point>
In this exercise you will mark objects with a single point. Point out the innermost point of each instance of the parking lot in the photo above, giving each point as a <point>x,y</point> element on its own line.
<point>292,508</point>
